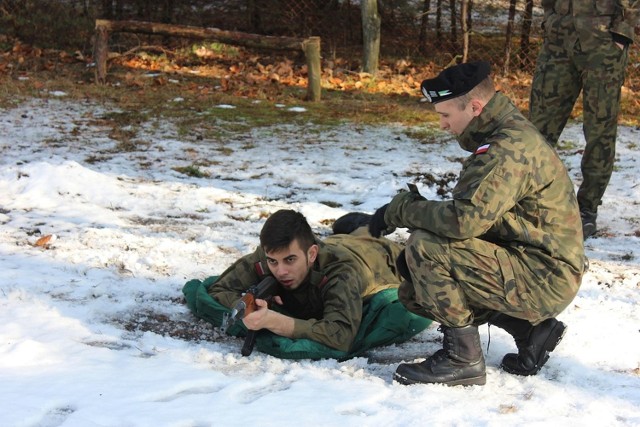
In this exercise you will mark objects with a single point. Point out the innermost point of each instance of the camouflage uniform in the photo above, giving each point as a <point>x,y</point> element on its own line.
<point>579,53</point>
<point>510,240</point>
<point>327,307</point>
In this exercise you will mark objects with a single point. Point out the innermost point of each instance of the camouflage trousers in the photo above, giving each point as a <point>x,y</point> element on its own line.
<point>462,282</point>
<point>563,70</point>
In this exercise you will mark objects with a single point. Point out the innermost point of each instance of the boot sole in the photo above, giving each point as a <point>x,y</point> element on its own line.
<point>481,380</point>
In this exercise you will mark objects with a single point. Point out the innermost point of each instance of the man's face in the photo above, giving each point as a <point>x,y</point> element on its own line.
<point>290,266</point>
<point>454,119</point>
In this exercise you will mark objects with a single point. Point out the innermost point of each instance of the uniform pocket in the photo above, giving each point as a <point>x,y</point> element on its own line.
<point>514,293</point>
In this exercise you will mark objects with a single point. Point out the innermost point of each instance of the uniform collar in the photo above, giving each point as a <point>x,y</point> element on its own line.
<point>484,125</point>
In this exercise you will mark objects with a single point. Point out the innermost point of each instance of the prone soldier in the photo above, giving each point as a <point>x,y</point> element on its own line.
<point>339,292</point>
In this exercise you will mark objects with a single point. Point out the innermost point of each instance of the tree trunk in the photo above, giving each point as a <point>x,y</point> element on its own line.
<point>470,17</point>
<point>255,20</point>
<point>119,9</point>
<point>107,9</point>
<point>454,26</point>
<point>167,11</point>
<point>509,35</point>
<point>370,35</point>
<point>424,23</point>
<point>439,22</point>
<point>525,44</point>
<point>464,25</point>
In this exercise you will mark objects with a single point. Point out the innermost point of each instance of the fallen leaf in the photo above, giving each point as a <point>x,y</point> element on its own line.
<point>508,409</point>
<point>45,241</point>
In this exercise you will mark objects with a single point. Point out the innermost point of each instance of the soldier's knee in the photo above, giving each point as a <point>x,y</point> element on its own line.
<point>423,245</point>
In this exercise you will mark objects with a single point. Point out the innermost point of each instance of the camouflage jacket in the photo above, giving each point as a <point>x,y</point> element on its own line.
<point>591,22</point>
<point>327,307</point>
<point>513,190</point>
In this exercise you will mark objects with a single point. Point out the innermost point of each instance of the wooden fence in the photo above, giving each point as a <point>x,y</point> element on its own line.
<point>310,46</point>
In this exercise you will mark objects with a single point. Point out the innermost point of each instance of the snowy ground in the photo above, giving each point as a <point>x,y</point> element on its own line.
<point>94,332</point>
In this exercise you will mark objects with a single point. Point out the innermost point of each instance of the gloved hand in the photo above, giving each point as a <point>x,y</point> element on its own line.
<point>377,225</point>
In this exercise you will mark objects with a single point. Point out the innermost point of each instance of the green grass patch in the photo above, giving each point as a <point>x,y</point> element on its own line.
<point>192,171</point>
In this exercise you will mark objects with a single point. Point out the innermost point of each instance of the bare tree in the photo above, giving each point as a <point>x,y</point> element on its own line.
<point>439,21</point>
<point>464,25</point>
<point>424,23</point>
<point>454,19</point>
<point>107,9</point>
<point>509,35</point>
<point>255,20</point>
<point>167,11</point>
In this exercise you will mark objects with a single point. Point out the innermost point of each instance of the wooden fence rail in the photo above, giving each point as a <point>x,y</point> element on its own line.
<point>310,46</point>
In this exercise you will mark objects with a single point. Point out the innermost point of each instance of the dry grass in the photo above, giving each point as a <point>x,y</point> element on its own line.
<point>146,84</point>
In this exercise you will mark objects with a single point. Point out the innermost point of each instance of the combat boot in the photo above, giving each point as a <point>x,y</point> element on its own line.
<point>534,342</point>
<point>589,225</point>
<point>349,222</point>
<point>459,362</point>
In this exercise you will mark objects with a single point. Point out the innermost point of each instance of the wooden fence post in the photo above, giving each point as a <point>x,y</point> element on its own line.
<point>311,47</point>
<point>101,51</point>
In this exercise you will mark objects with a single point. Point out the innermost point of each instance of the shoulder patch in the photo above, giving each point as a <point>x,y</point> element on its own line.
<point>323,282</point>
<point>482,149</point>
<point>260,269</point>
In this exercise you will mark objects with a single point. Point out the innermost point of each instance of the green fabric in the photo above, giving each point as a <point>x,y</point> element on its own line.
<point>203,306</point>
<point>385,321</point>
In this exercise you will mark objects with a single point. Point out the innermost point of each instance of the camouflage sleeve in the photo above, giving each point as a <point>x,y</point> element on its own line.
<point>626,18</point>
<point>236,279</point>
<point>342,313</point>
<point>487,189</point>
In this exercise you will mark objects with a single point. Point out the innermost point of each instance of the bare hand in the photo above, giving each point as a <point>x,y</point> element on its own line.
<point>256,319</point>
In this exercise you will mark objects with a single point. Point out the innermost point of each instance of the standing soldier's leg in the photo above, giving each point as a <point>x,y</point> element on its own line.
<point>604,72</point>
<point>555,87</point>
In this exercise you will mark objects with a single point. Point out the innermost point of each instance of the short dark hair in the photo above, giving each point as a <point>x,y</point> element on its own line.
<point>282,228</point>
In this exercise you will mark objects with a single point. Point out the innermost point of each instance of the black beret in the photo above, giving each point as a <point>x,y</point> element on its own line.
<point>455,81</point>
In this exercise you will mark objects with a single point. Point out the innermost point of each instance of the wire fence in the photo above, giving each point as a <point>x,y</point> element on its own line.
<point>425,30</point>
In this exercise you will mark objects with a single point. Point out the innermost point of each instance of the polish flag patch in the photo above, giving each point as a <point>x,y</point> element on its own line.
<point>482,149</point>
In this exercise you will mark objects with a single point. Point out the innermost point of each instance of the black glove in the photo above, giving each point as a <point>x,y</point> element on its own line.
<point>377,225</point>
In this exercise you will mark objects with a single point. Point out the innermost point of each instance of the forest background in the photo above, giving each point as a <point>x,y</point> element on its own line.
<point>113,195</point>
<point>52,42</point>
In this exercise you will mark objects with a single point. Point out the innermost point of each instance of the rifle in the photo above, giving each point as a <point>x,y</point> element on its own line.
<point>265,290</point>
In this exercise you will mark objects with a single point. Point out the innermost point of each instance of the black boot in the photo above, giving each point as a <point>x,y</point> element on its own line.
<point>589,226</point>
<point>349,222</point>
<point>534,342</point>
<point>459,362</point>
